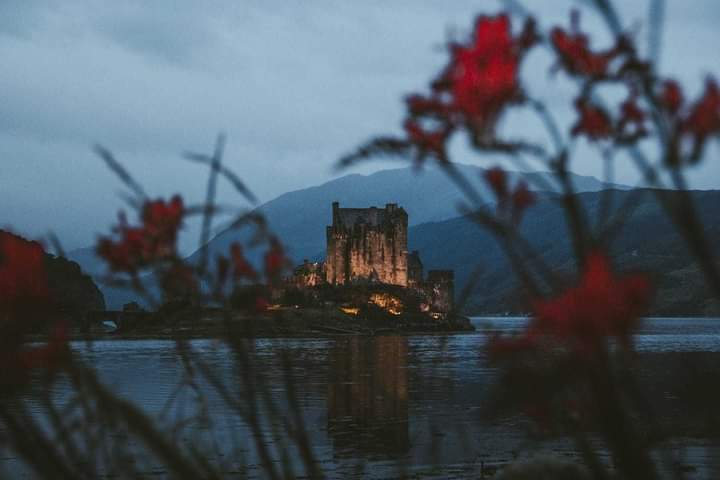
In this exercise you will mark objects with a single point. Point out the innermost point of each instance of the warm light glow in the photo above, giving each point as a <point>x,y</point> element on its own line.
<point>350,310</point>
<point>387,302</point>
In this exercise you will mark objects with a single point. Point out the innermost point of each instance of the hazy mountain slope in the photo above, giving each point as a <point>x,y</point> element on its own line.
<point>300,217</point>
<point>649,242</point>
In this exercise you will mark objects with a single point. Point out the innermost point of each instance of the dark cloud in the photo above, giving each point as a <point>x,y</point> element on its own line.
<point>294,84</point>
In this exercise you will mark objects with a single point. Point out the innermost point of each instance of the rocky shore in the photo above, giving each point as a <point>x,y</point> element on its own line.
<point>279,322</point>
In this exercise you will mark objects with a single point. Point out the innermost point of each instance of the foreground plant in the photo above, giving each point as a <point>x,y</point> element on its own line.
<point>569,367</point>
<point>571,364</point>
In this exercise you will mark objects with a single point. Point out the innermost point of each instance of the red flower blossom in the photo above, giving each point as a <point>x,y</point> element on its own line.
<point>419,105</point>
<point>520,198</point>
<point>601,306</point>
<point>24,296</point>
<point>497,179</point>
<point>23,280</point>
<point>574,52</point>
<point>155,240</point>
<point>593,121</point>
<point>631,124</point>
<point>241,268</point>
<point>671,96</point>
<point>162,221</point>
<point>483,75</point>
<point>704,118</point>
<point>480,80</point>
<point>426,141</point>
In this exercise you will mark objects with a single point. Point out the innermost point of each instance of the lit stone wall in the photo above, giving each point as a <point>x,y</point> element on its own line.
<point>367,244</point>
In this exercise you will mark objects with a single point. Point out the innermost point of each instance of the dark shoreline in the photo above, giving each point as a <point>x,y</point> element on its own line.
<point>281,323</point>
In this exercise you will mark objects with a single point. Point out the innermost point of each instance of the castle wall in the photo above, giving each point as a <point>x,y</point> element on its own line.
<point>367,244</point>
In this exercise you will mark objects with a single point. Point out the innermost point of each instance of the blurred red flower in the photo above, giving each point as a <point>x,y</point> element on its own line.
<point>703,120</point>
<point>583,317</point>
<point>517,200</point>
<point>154,240</point>
<point>426,141</point>
<point>497,179</point>
<point>484,74</point>
<point>632,120</point>
<point>573,49</point>
<point>600,306</point>
<point>671,96</point>
<point>478,82</point>
<point>24,298</point>
<point>23,280</point>
<point>593,122</point>
<point>162,220</point>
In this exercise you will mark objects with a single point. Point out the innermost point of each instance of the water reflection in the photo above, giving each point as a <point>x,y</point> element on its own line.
<point>368,396</point>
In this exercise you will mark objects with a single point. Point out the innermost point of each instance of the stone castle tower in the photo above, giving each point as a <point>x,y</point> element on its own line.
<point>367,244</point>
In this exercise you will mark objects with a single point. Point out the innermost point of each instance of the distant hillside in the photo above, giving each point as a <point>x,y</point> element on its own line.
<point>300,217</point>
<point>649,242</point>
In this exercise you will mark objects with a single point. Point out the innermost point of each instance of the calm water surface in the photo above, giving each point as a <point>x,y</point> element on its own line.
<point>368,402</point>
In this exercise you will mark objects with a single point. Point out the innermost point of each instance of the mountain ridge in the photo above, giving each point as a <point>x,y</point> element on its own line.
<point>299,217</point>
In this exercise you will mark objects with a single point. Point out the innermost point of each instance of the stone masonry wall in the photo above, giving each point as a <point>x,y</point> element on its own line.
<point>367,245</point>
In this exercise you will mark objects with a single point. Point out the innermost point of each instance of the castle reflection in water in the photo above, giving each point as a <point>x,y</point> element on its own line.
<point>368,396</point>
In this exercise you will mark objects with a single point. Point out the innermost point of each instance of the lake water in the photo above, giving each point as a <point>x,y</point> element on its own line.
<point>370,405</point>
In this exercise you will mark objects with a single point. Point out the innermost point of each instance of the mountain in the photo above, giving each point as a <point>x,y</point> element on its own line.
<point>299,217</point>
<point>649,242</point>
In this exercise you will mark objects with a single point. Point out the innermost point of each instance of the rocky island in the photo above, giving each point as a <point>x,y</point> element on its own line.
<point>368,284</point>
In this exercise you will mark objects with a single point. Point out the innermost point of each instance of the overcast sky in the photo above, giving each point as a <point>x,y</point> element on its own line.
<point>295,84</point>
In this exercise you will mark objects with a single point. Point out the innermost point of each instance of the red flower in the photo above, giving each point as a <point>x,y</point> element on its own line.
<point>519,199</point>
<point>480,80</point>
<point>426,141</point>
<point>240,266</point>
<point>497,179</point>
<point>419,105</point>
<point>155,240</point>
<point>23,280</point>
<point>631,124</point>
<point>593,121</point>
<point>162,221</point>
<point>24,297</point>
<point>602,305</point>
<point>484,74</point>
<point>574,52</point>
<point>671,96</point>
<point>704,117</point>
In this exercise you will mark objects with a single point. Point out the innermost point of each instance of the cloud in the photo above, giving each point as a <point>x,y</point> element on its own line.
<point>294,84</point>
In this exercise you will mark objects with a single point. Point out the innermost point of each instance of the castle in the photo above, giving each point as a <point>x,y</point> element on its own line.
<point>370,245</point>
